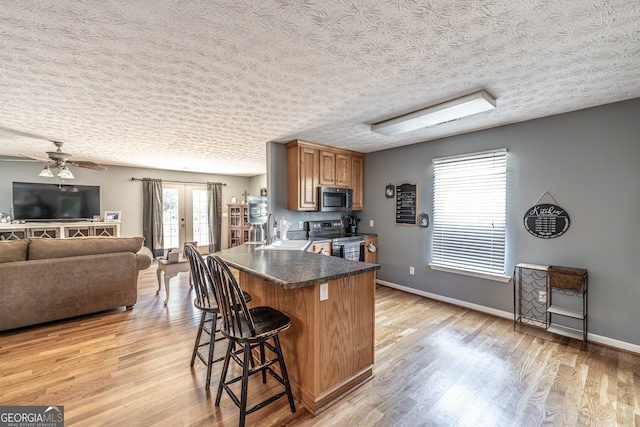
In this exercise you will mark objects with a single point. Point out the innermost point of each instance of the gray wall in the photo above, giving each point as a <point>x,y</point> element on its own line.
<point>256,183</point>
<point>117,191</point>
<point>588,160</point>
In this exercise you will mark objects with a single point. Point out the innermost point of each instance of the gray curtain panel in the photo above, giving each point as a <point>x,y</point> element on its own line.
<point>152,215</point>
<point>214,198</point>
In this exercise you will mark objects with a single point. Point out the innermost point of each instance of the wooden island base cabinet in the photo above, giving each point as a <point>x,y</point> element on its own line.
<point>329,347</point>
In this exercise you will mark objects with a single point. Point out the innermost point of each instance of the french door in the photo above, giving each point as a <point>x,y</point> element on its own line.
<point>185,216</point>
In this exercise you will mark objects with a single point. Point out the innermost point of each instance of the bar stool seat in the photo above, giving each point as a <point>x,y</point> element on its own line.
<point>206,302</point>
<point>248,329</point>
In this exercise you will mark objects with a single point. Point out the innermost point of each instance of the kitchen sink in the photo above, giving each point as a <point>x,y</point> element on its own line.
<point>285,245</point>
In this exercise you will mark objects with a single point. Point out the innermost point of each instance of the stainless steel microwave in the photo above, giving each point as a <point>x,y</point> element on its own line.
<point>333,199</point>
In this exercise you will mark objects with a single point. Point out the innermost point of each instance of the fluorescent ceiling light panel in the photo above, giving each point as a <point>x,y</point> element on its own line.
<point>447,111</point>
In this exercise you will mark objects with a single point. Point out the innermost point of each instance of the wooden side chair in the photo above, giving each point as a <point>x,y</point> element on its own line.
<point>248,329</point>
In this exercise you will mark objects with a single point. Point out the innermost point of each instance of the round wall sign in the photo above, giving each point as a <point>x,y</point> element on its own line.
<point>546,221</point>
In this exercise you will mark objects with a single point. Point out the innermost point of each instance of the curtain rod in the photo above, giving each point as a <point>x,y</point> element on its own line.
<point>179,182</point>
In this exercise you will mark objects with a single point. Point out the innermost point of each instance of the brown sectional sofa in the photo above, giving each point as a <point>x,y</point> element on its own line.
<point>51,279</point>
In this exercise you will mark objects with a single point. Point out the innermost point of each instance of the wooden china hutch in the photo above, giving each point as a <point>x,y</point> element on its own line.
<point>238,224</point>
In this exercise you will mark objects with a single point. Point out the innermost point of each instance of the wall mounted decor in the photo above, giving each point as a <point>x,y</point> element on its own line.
<point>546,220</point>
<point>389,191</point>
<point>407,203</point>
<point>423,220</point>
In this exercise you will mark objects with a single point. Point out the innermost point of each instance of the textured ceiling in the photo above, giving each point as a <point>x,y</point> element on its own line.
<point>203,85</point>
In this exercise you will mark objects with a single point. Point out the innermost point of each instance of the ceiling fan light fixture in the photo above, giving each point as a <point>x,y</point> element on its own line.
<point>458,108</point>
<point>65,173</point>
<point>46,172</point>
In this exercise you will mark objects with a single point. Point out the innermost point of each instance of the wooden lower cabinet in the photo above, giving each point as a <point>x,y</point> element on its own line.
<point>329,347</point>
<point>369,255</point>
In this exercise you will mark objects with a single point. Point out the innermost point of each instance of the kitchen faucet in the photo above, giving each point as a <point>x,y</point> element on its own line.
<point>270,228</point>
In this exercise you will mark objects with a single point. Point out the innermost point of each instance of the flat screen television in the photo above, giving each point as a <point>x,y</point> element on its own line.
<point>55,202</point>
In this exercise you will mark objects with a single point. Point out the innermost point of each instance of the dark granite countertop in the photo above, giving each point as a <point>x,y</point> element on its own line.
<point>292,269</point>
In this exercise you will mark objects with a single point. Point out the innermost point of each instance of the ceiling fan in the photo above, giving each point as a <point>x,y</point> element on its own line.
<point>60,160</point>
<point>56,159</point>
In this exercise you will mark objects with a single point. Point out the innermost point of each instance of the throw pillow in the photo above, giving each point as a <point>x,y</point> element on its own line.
<point>13,250</point>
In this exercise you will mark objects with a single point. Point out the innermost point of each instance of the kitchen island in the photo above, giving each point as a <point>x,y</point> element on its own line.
<point>331,302</point>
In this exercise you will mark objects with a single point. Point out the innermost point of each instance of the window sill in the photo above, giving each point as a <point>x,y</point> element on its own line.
<point>495,277</point>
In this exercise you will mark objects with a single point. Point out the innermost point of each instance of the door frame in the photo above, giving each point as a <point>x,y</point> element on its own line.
<point>185,212</point>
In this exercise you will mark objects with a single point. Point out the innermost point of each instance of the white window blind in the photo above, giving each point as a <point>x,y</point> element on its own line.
<point>469,211</point>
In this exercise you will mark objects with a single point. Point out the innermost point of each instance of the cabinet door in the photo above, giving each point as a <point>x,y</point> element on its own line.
<point>343,170</point>
<point>303,193</point>
<point>45,232</point>
<point>238,224</point>
<point>81,231</point>
<point>357,182</point>
<point>107,230</point>
<point>13,234</point>
<point>335,169</point>
<point>369,256</point>
<point>327,169</point>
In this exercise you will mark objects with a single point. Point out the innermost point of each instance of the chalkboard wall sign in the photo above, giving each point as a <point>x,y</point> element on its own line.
<point>407,203</point>
<point>546,221</point>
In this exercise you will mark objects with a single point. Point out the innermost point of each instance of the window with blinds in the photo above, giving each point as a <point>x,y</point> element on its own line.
<point>469,212</point>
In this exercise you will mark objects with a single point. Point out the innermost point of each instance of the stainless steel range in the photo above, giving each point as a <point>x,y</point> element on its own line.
<point>348,246</point>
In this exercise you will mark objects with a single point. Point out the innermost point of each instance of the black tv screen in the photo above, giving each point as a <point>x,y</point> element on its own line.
<point>54,202</point>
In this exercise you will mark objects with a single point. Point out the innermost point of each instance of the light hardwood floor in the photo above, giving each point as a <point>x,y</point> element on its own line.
<point>435,365</point>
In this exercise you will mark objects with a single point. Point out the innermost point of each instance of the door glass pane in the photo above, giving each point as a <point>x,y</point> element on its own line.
<point>200,222</point>
<point>170,218</point>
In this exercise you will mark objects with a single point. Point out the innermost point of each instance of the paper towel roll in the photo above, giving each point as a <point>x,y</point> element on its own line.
<point>284,227</point>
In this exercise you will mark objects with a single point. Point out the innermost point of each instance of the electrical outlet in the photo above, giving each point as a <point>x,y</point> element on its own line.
<point>542,296</point>
<point>370,223</point>
<point>300,225</point>
<point>411,271</point>
<point>324,291</point>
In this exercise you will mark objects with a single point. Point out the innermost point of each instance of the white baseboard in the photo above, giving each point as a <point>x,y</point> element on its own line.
<point>598,339</point>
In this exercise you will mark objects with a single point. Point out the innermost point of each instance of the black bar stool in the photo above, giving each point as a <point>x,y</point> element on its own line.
<point>249,329</point>
<point>205,301</point>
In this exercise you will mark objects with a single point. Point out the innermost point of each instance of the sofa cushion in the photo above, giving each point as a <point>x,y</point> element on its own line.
<point>13,250</point>
<point>75,246</point>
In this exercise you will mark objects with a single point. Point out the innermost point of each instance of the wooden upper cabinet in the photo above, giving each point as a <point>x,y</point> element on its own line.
<point>335,169</point>
<point>303,175</point>
<point>343,170</point>
<point>327,168</point>
<point>357,182</point>
<point>313,165</point>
